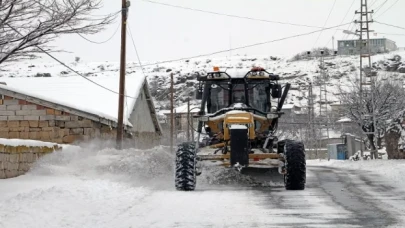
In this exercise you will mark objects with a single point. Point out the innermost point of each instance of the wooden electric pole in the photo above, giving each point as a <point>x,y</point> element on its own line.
<point>171,111</point>
<point>120,127</point>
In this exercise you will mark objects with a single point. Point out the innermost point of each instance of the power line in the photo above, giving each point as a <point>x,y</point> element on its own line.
<point>347,13</point>
<point>202,55</point>
<point>229,15</point>
<point>327,19</point>
<point>80,74</point>
<point>102,42</point>
<point>379,7</point>
<point>387,9</point>
<point>136,51</point>
<point>375,1</point>
<point>95,42</point>
<point>139,59</point>
<point>389,25</point>
<point>246,46</point>
<point>68,67</point>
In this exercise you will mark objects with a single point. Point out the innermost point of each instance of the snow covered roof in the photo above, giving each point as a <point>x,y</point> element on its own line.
<point>183,109</point>
<point>344,120</point>
<point>289,106</point>
<point>80,94</point>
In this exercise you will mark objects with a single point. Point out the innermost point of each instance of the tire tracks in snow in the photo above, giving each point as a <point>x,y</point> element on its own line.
<point>352,191</point>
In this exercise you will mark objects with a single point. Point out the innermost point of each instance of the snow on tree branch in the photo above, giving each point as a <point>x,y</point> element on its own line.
<point>25,24</point>
<point>388,104</point>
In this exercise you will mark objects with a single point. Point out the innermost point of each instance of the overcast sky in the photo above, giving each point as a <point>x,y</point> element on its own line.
<point>162,32</point>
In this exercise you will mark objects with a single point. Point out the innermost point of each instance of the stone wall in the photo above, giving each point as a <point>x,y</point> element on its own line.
<point>16,160</point>
<point>24,120</point>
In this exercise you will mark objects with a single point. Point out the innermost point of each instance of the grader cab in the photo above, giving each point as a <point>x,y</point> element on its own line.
<point>237,128</point>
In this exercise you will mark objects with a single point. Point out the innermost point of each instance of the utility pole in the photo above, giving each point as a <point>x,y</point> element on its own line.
<point>333,43</point>
<point>367,83</point>
<point>323,98</point>
<point>171,111</point>
<point>121,95</point>
<point>311,116</point>
<point>188,119</point>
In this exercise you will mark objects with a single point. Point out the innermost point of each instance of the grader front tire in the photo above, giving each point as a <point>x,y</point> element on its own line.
<point>295,165</point>
<point>186,174</point>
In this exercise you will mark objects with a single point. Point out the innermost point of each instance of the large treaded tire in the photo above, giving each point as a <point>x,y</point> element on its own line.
<point>185,176</point>
<point>295,164</point>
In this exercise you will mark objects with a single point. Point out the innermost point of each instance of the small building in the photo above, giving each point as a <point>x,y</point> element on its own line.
<point>352,47</point>
<point>181,116</point>
<point>71,109</point>
<point>291,109</point>
<point>337,109</point>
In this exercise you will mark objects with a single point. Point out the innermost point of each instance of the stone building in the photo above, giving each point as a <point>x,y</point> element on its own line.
<point>29,112</point>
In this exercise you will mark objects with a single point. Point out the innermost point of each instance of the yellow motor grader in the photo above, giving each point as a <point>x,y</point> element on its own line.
<point>239,118</point>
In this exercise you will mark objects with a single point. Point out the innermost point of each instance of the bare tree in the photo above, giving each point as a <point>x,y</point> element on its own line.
<point>389,104</point>
<point>393,134</point>
<point>25,24</point>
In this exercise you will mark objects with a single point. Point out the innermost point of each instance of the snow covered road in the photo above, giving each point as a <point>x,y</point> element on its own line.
<point>107,188</point>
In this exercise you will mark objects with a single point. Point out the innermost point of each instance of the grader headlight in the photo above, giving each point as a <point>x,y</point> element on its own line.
<point>272,116</point>
<point>203,118</point>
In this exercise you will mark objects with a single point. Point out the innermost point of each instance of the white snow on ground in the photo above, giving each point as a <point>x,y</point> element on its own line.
<point>391,170</point>
<point>93,187</point>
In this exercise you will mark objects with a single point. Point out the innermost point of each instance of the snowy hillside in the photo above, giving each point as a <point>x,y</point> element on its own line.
<point>298,73</point>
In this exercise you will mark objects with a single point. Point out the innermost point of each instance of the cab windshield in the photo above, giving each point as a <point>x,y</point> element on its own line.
<point>220,94</point>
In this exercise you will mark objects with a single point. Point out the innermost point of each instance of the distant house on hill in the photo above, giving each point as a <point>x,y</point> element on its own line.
<point>352,47</point>
<point>71,109</point>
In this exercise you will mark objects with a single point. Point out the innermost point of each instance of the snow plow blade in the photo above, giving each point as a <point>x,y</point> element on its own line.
<point>227,156</point>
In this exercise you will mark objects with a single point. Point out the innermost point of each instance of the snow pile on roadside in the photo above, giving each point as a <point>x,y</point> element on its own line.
<point>129,165</point>
<point>153,168</point>
<point>391,170</point>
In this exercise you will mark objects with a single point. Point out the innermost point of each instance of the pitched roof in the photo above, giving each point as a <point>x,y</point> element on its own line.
<point>183,109</point>
<point>79,94</point>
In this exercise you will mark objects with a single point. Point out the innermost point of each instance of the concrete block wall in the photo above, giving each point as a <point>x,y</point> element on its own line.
<point>20,119</point>
<point>16,160</point>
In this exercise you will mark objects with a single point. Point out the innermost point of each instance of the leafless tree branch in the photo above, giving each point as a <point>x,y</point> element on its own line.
<point>388,103</point>
<point>27,23</point>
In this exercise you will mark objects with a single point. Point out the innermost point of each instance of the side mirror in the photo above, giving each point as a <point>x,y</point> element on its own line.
<point>276,91</point>
<point>199,95</point>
